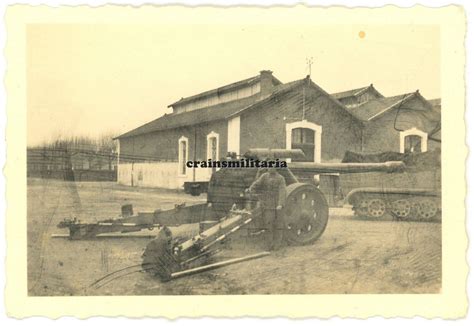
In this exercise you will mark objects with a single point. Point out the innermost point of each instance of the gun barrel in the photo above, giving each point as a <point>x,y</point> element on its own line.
<point>274,153</point>
<point>389,167</point>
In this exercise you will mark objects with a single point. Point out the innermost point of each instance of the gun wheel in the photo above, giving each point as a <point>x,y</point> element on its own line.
<point>376,208</point>
<point>306,214</point>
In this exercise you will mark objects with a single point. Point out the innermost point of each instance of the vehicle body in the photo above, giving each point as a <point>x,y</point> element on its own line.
<point>414,194</point>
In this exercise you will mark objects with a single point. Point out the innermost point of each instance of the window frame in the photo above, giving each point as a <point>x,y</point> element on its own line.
<point>414,132</point>
<point>210,136</point>
<point>304,124</point>
<point>182,160</point>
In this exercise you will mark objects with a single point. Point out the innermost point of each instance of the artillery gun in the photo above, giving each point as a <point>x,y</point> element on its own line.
<point>227,210</point>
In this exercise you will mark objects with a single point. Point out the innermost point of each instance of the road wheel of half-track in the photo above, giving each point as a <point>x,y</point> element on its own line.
<point>376,208</point>
<point>426,209</point>
<point>401,208</point>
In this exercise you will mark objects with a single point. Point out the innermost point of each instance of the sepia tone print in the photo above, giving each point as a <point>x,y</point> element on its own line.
<point>118,114</point>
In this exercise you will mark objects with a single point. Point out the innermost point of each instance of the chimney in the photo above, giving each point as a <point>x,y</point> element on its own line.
<point>266,83</point>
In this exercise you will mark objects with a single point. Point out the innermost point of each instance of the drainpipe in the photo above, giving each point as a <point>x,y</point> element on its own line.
<point>133,159</point>
<point>194,154</point>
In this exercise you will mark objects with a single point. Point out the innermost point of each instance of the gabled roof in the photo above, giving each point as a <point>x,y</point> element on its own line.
<point>348,93</point>
<point>177,120</point>
<point>277,91</point>
<point>282,89</point>
<point>371,109</point>
<point>335,101</point>
<point>355,92</point>
<point>221,111</point>
<point>242,83</point>
<point>374,108</point>
<point>435,102</point>
<point>435,134</point>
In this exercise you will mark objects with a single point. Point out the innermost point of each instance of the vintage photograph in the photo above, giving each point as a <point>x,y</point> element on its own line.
<point>171,161</point>
<point>178,159</point>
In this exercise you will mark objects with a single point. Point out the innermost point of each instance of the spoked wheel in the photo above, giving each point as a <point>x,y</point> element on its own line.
<point>426,209</point>
<point>306,213</point>
<point>376,208</point>
<point>401,208</point>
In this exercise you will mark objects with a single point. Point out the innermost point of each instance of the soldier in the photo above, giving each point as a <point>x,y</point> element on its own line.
<point>271,190</point>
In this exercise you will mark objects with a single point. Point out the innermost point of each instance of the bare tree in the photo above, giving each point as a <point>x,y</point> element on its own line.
<point>63,150</point>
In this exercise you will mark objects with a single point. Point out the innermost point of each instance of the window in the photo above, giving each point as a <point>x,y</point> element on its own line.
<point>413,144</point>
<point>182,155</point>
<point>213,147</point>
<point>303,138</point>
<point>413,141</point>
<point>306,136</point>
<point>364,97</point>
<point>77,165</point>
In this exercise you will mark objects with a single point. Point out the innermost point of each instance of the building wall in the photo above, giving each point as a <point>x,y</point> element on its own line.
<point>228,96</point>
<point>155,156</point>
<point>266,126</point>
<point>381,136</point>
<point>156,174</point>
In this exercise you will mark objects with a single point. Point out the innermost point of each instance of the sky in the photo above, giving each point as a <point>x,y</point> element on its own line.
<point>90,80</point>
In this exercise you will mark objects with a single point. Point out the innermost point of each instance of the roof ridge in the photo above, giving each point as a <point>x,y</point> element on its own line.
<point>214,90</point>
<point>248,80</point>
<point>403,98</point>
<point>276,91</point>
<point>197,116</point>
<point>350,92</point>
<point>362,90</point>
<point>353,89</point>
<point>400,95</point>
<point>225,110</point>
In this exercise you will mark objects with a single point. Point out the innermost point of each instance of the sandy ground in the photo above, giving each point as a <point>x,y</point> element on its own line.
<point>352,256</point>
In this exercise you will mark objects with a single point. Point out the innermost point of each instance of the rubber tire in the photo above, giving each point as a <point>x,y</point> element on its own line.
<point>321,209</point>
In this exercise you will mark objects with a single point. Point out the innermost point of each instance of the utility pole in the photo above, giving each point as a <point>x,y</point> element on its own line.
<point>309,62</point>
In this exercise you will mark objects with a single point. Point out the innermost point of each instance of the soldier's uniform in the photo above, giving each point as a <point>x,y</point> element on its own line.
<point>271,190</point>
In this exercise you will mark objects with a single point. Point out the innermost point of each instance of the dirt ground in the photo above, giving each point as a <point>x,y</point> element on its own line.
<point>352,256</point>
